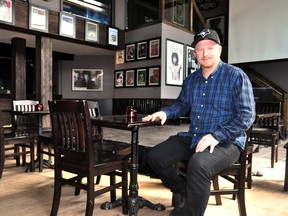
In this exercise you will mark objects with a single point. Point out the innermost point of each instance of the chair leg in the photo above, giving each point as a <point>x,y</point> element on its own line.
<point>272,155</point>
<point>77,189</point>
<point>2,162</point>
<point>215,181</point>
<point>98,179</point>
<point>90,197</point>
<point>32,156</point>
<point>241,201</point>
<point>125,190</point>
<point>56,196</point>
<point>17,158</point>
<point>40,155</point>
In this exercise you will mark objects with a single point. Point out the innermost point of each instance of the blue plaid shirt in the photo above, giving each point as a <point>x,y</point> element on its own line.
<point>221,105</point>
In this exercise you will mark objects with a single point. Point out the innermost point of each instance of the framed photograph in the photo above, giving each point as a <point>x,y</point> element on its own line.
<point>120,59</point>
<point>112,36</point>
<point>130,52</point>
<point>179,12</point>
<point>130,78</point>
<point>91,31</point>
<point>191,62</point>
<point>154,48</point>
<point>141,77</point>
<point>7,12</point>
<point>218,24</point>
<point>141,50</point>
<point>154,76</point>
<point>119,79</point>
<point>67,25</point>
<point>87,79</point>
<point>38,18</point>
<point>174,62</point>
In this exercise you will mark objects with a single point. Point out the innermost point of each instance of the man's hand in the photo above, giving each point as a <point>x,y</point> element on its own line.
<point>157,115</point>
<point>207,140</point>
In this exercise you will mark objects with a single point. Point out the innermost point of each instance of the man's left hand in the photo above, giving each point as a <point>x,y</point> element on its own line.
<point>206,141</point>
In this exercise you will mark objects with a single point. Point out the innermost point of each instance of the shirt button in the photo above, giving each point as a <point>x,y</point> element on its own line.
<point>194,134</point>
<point>201,105</point>
<point>198,116</point>
<point>203,94</point>
<point>196,128</point>
<point>206,81</point>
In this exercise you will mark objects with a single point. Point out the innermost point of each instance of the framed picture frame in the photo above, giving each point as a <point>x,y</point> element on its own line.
<point>130,78</point>
<point>119,79</point>
<point>154,48</point>
<point>67,25</point>
<point>113,36</point>
<point>91,31</point>
<point>174,62</point>
<point>141,77</point>
<point>87,79</point>
<point>191,62</point>
<point>154,76</point>
<point>130,51</point>
<point>142,50</point>
<point>218,24</point>
<point>7,12</point>
<point>38,18</point>
<point>120,57</point>
<point>179,12</point>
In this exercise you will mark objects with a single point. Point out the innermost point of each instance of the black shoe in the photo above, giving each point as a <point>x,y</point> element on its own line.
<point>178,203</point>
<point>175,212</point>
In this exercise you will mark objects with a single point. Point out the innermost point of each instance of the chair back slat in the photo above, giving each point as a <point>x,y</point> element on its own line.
<point>71,130</point>
<point>268,107</point>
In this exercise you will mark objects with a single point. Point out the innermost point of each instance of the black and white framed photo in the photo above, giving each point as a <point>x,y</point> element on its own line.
<point>191,61</point>
<point>154,48</point>
<point>38,18</point>
<point>87,80</point>
<point>129,78</point>
<point>7,12</point>
<point>141,50</point>
<point>119,79</point>
<point>120,57</point>
<point>174,62</point>
<point>91,31</point>
<point>218,24</point>
<point>130,52</point>
<point>141,76</point>
<point>154,76</point>
<point>112,36</point>
<point>67,25</point>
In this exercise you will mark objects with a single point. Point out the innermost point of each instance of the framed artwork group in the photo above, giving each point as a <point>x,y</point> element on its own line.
<point>141,77</point>
<point>143,50</point>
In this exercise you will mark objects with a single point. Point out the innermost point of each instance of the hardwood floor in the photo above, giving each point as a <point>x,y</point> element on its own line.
<point>31,194</point>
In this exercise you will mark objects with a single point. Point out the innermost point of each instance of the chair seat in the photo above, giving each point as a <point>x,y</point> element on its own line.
<point>115,147</point>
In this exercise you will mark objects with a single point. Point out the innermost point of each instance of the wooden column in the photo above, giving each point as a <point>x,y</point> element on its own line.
<point>285,110</point>
<point>43,74</point>
<point>18,68</point>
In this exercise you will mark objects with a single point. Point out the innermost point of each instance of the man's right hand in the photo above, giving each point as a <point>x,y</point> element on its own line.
<point>157,115</point>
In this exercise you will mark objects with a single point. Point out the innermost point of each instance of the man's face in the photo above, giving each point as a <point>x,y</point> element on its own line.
<point>207,53</point>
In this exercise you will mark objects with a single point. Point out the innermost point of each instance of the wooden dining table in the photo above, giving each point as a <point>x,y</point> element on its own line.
<point>131,124</point>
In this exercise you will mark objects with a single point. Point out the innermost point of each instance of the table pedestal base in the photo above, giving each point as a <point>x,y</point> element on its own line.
<point>134,205</point>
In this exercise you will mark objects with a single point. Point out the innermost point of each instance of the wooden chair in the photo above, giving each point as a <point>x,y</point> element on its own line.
<point>74,153</point>
<point>104,144</point>
<point>10,144</point>
<point>266,128</point>
<point>25,124</point>
<point>236,174</point>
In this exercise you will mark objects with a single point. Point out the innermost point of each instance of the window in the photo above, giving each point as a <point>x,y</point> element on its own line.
<point>97,10</point>
<point>143,12</point>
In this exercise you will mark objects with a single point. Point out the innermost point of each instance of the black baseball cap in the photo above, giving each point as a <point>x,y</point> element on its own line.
<point>206,34</point>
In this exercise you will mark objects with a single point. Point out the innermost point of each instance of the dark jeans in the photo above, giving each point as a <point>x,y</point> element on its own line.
<point>201,167</point>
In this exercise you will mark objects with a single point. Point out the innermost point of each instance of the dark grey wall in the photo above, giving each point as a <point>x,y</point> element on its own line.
<point>87,62</point>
